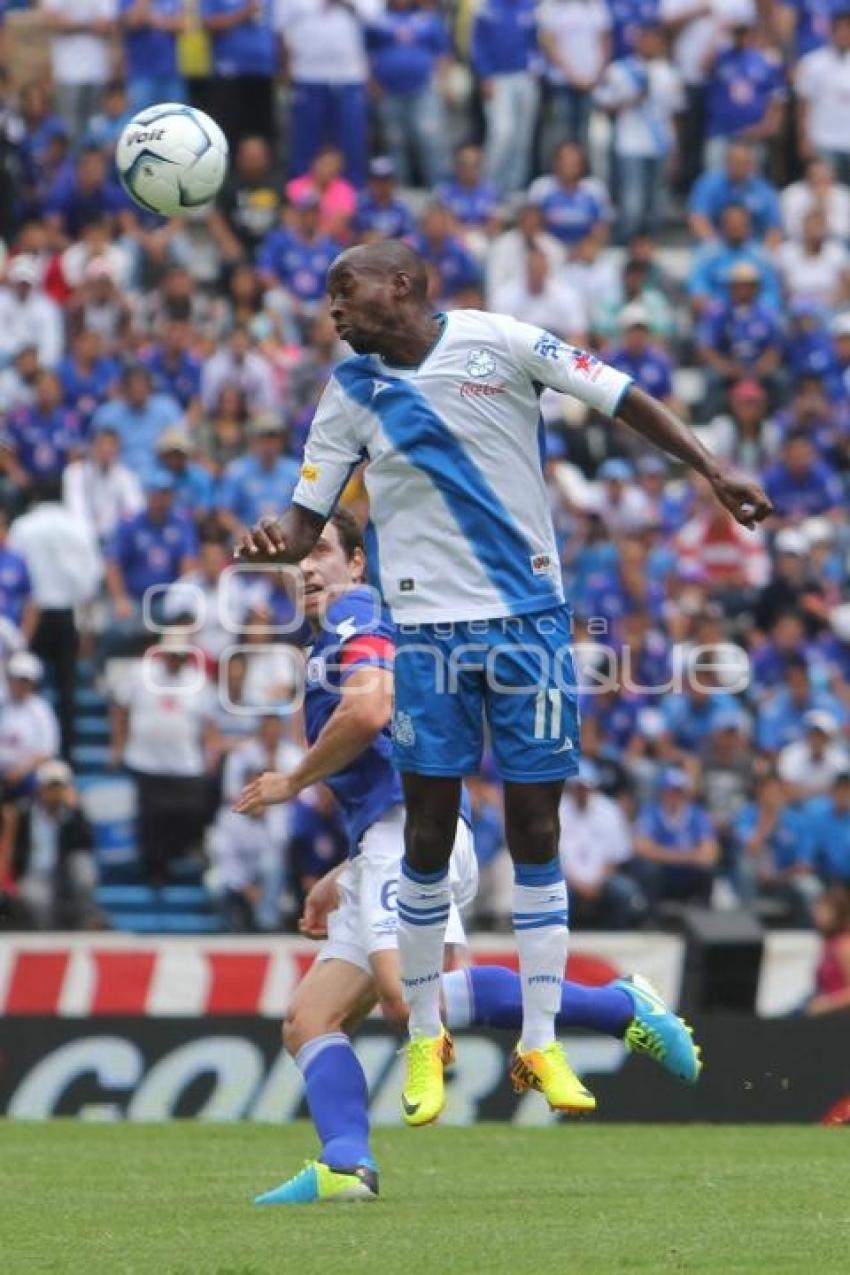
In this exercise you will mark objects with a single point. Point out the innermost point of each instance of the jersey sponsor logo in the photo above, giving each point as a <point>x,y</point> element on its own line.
<point>378,387</point>
<point>480,362</point>
<point>481,389</point>
<point>310,473</point>
<point>404,732</point>
<point>541,564</point>
<point>586,365</point>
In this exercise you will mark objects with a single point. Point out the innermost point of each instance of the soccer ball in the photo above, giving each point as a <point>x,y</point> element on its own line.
<point>172,159</point>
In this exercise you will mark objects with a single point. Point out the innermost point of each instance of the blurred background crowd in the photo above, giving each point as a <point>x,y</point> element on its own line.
<point>665,181</point>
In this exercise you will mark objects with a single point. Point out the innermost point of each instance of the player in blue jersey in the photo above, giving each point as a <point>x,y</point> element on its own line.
<point>348,699</point>
<point>445,408</point>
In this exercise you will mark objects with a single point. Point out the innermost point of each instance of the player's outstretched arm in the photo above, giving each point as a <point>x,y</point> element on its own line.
<point>286,539</point>
<point>744,499</point>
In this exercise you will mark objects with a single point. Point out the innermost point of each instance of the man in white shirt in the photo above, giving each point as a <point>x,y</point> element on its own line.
<point>643,93</point>
<point>99,490</point>
<point>163,732</point>
<point>823,93</point>
<point>326,55</point>
<point>544,297</point>
<point>818,189</point>
<point>239,364</point>
<point>595,843</point>
<point>507,256</point>
<point>65,567</point>
<point>28,317</point>
<point>810,765</point>
<point>575,37</point>
<point>29,732</point>
<point>80,56</point>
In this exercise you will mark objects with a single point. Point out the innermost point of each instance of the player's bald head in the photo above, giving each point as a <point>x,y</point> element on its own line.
<point>387,260</point>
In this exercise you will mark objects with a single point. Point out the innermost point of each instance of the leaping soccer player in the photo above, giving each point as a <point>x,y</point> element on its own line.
<point>348,698</point>
<point>444,407</point>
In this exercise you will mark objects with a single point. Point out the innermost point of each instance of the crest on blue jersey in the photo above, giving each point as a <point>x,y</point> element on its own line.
<point>404,732</point>
<point>480,362</point>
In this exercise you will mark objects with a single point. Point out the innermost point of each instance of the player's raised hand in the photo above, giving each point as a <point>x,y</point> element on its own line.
<point>322,899</point>
<point>746,501</point>
<point>268,789</point>
<point>263,543</point>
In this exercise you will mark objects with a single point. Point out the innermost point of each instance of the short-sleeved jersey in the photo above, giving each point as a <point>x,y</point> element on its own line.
<point>455,478</point>
<point>356,631</point>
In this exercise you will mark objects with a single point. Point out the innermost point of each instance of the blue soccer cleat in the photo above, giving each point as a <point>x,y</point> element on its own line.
<point>655,1030</point>
<point>318,1183</point>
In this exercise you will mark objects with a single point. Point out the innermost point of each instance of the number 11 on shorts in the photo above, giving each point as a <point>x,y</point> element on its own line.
<point>547,704</point>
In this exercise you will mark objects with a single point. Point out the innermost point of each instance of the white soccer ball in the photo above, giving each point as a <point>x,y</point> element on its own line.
<point>172,159</point>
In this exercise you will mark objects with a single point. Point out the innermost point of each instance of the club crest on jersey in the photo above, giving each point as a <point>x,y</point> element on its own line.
<point>315,669</point>
<point>480,362</point>
<point>404,732</point>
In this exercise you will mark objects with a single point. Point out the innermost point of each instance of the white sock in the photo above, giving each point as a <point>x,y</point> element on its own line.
<point>423,912</point>
<point>540,925</point>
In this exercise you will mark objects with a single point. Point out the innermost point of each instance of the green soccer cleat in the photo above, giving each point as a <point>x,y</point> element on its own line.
<point>318,1183</point>
<point>423,1096</point>
<point>655,1030</point>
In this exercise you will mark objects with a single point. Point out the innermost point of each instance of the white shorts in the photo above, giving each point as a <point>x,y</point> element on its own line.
<point>366,920</point>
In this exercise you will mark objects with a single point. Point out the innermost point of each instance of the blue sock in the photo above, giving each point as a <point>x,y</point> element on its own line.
<point>338,1100</point>
<point>494,999</point>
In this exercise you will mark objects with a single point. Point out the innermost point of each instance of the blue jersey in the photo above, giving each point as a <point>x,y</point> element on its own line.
<point>356,631</point>
<point>182,380</point>
<point>15,585</point>
<point>148,51</point>
<point>42,442</point>
<point>250,492</point>
<point>627,17</point>
<point>392,220</point>
<point>803,495</point>
<point>682,833</point>
<point>151,553</point>
<point>742,86</point>
<point>715,191</point>
<point>826,838</point>
<point>504,37</point>
<point>456,267</point>
<point>569,215</point>
<point>786,844</point>
<point>812,26</point>
<point>300,265</point>
<point>470,205</point>
<point>652,370</point>
<point>250,47</point>
<point>85,391</point>
<point>404,47</point>
<point>742,332</point>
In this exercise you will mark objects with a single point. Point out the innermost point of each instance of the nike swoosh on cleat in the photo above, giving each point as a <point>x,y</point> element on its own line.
<point>410,1108</point>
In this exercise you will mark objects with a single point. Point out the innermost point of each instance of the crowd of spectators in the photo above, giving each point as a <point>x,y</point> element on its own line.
<point>666,181</point>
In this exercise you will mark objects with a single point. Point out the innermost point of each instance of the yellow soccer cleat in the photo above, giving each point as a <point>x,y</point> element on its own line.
<point>548,1071</point>
<point>423,1096</point>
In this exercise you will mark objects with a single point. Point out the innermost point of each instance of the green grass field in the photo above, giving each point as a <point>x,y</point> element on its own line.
<point>574,1200</point>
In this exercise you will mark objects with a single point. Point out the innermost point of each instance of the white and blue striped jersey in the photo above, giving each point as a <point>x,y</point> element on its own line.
<point>455,475</point>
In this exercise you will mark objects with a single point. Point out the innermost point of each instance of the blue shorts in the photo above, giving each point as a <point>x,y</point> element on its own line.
<point>516,674</point>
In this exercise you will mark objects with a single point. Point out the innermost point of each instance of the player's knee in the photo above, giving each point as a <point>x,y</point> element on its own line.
<point>302,1025</point>
<point>429,837</point>
<point>534,838</point>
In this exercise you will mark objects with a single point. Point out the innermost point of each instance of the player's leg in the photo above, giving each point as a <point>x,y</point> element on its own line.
<point>532,707</point>
<point>436,738</point>
<point>628,1009</point>
<point>333,996</point>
